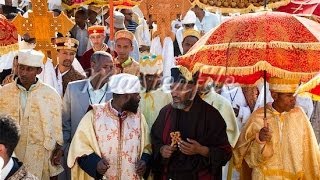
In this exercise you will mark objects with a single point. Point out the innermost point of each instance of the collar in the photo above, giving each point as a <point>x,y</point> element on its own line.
<point>20,86</point>
<point>125,64</point>
<point>276,113</point>
<point>122,115</point>
<point>206,13</point>
<point>6,169</point>
<point>62,74</point>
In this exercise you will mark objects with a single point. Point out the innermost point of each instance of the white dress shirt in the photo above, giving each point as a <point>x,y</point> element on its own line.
<point>97,96</point>
<point>208,22</point>
<point>6,170</point>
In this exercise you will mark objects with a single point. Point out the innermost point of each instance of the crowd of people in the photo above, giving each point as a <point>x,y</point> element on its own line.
<point>106,109</point>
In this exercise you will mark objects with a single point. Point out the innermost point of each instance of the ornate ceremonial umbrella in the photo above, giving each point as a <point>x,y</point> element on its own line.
<point>8,36</point>
<point>238,6</point>
<point>281,44</point>
<point>311,88</point>
<point>8,43</point>
<point>306,8</point>
<point>257,45</point>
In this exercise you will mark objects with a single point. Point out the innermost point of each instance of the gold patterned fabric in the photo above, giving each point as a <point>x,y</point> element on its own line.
<point>152,102</point>
<point>40,125</point>
<point>293,152</point>
<point>87,140</point>
<point>224,107</point>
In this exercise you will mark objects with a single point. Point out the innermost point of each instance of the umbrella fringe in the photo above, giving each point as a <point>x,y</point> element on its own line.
<point>263,45</point>
<point>8,48</point>
<point>247,70</point>
<point>287,45</point>
<point>248,9</point>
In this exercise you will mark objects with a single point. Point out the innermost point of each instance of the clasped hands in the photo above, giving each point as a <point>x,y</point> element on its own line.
<point>189,147</point>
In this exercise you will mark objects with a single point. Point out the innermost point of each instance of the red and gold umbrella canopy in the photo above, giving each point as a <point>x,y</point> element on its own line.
<point>243,47</point>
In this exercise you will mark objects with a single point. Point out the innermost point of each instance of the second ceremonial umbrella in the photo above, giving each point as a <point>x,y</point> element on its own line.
<point>251,46</point>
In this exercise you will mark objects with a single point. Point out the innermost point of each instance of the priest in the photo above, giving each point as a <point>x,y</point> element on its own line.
<point>37,108</point>
<point>189,138</point>
<point>112,139</point>
<point>282,146</point>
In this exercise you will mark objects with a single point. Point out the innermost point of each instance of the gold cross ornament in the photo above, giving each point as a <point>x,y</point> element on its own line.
<point>175,138</point>
<point>41,25</point>
<point>163,12</point>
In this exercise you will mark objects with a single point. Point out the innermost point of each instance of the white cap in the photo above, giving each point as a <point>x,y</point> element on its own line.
<point>189,18</point>
<point>30,57</point>
<point>118,20</point>
<point>124,84</point>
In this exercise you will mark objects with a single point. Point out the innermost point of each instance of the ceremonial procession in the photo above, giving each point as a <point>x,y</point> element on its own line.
<point>159,90</point>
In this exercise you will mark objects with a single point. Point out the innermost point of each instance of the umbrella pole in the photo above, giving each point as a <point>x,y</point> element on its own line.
<point>265,97</point>
<point>265,4</point>
<point>111,26</point>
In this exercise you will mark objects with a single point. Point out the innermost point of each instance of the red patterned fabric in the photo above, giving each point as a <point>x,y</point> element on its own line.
<point>302,7</point>
<point>8,32</point>
<point>285,41</point>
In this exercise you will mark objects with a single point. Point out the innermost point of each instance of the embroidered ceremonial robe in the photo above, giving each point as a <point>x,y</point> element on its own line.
<point>19,172</point>
<point>101,132</point>
<point>41,125</point>
<point>293,152</point>
<point>152,102</point>
<point>225,109</point>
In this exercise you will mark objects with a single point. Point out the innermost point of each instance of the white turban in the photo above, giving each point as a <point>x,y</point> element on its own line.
<point>124,84</point>
<point>189,18</point>
<point>30,57</point>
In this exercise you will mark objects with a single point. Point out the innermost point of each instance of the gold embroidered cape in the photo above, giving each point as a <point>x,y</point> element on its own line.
<point>41,126</point>
<point>293,152</point>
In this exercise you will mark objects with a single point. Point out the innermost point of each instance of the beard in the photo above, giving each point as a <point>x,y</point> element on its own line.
<point>67,63</point>
<point>181,105</point>
<point>131,106</point>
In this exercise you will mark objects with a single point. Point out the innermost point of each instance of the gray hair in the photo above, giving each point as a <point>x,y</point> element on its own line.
<point>100,54</point>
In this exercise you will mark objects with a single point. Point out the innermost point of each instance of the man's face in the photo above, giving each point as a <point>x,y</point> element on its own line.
<point>182,94</point>
<point>123,48</point>
<point>92,15</point>
<point>150,81</point>
<point>132,104</point>
<point>80,19</point>
<point>102,66</point>
<point>27,74</point>
<point>188,42</point>
<point>284,101</point>
<point>127,14</point>
<point>97,39</point>
<point>66,57</point>
<point>197,11</point>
